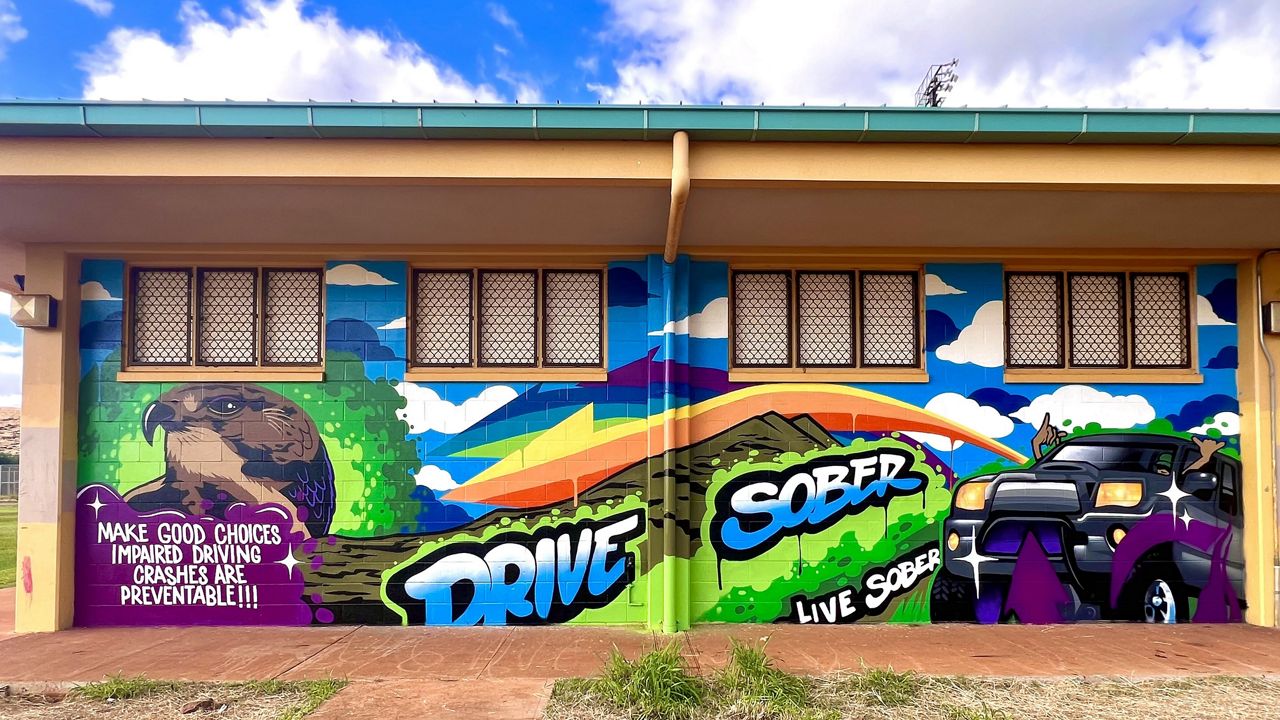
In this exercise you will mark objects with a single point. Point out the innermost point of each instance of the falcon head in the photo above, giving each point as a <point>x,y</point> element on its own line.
<point>257,422</point>
<point>239,433</point>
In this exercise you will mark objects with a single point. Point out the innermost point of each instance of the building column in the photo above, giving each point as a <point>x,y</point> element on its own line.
<point>1258,444</point>
<point>47,474</point>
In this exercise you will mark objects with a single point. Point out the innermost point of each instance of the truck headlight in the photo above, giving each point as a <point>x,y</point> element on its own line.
<point>972,495</point>
<point>1119,494</point>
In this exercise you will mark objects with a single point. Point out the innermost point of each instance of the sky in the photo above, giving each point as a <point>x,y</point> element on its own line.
<point>1097,53</point>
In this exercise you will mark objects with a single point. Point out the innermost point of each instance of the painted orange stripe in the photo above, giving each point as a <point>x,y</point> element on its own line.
<point>843,410</point>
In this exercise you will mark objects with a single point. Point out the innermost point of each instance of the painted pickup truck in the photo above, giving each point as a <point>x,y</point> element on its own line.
<point>1123,526</point>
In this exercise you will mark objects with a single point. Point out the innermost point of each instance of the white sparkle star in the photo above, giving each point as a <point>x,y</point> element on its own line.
<point>97,504</point>
<point>973,560</point>
<point>1185,517</point>
<point>289,561</point>
<point>1175,495</point>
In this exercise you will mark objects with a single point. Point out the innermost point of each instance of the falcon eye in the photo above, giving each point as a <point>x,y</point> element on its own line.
<point>224,406</point>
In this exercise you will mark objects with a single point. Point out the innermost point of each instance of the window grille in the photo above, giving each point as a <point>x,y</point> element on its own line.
<point>1161,320</point>
<point>160,329</point>
<point>1033,319</point>
<point>825,302</point>
<point>841,319</point>
<point>292,320</point>
<point>762,319</point>
<point>228,318</point>
<point>572,318</point>
<point>509,318</point>
<point>442,318</point>
<point>227,328</point>
<point>1109,320</point>
<point>1097,320</point>
<point>890,319</point>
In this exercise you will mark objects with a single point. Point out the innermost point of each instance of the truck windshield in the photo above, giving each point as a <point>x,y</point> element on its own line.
<point>1116,457</point>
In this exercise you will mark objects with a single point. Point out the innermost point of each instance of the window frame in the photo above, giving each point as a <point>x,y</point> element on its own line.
<point>797,371</point>
<point>132,370</point>
<point>1067,371</point>
<point>476,370</point>
<point>128,356</point>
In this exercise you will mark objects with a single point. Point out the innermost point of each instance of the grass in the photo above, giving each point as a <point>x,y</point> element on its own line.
<point>885,687</point>
<point>8,543</point>
<point>659,686</point>
<point>120,696</point>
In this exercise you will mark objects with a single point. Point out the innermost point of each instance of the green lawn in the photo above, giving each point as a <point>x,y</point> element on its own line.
<point>8,543</point>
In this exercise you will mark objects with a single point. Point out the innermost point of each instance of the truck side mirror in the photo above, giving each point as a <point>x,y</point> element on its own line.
<point>1199,481</point>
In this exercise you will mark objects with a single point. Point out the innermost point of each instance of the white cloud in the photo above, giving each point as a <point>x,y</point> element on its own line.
<point>982,419</point>
<point>982,342</point>
<point>711,322</point>
<point>352,274</point>
<point>272,49</point>
<point>399,323</point>
<point>1205,314</point>
<point>11,29</point>
<point>426,410</point>
<point>10,375</point>
<point>436,478</point>
<point>101,8</point>
<point>1226,423</point>
<point>502,17</point>
<point>1101,53</point>
<point>1073,406</point>
<point>934,285</point>
<point>94,290</point>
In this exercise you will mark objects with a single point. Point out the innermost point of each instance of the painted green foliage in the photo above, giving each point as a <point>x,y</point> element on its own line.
<point>373,461</point>
<point>755,591</point>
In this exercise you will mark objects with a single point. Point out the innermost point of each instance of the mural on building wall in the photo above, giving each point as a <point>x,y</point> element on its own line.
<point>369,499</point>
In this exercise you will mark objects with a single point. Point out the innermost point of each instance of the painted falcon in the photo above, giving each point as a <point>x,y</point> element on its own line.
<point>229,443</point>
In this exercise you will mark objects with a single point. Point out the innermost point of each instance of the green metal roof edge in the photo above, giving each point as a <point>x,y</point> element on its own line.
<point>75,118</point>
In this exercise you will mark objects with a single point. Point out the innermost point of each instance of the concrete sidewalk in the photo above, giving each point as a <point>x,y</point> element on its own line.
<point>506,672</point>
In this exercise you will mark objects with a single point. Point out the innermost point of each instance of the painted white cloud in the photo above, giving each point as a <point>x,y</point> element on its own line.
<point>399,323</point>
<point>94,290</point>
<point>982,419</point>
<point>1205,314</point>
<point>270,49</point>
<point>436,478</point>
<point>982,341</point>
<point>1226,423</point>
<point>1072,406</point>
<point>101,8</point>
<point>426,410</point>
<point>711,322</point>
<point>352,274</point>
<point>934,285</point>
<point>1137,53</point>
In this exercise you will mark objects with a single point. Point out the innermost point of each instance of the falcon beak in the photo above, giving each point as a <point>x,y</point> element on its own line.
<point>156,414</point>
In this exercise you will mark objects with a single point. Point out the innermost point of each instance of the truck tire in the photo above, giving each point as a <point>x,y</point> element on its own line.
<point>951,599</point>
<point>1155,594</point>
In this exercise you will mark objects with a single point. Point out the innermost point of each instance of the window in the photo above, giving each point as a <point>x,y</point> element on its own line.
<point>1112,320</point>
<point>1228,499</point>
<point>826,319</point>
<point>225,317</point>
<point>508,318</point>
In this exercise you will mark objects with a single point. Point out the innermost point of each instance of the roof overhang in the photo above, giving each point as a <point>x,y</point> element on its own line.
<point>132,179</point>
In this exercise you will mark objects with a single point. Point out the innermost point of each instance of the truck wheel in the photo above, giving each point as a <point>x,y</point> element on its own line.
<point>952,599</point>
<point>1156,596</point>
